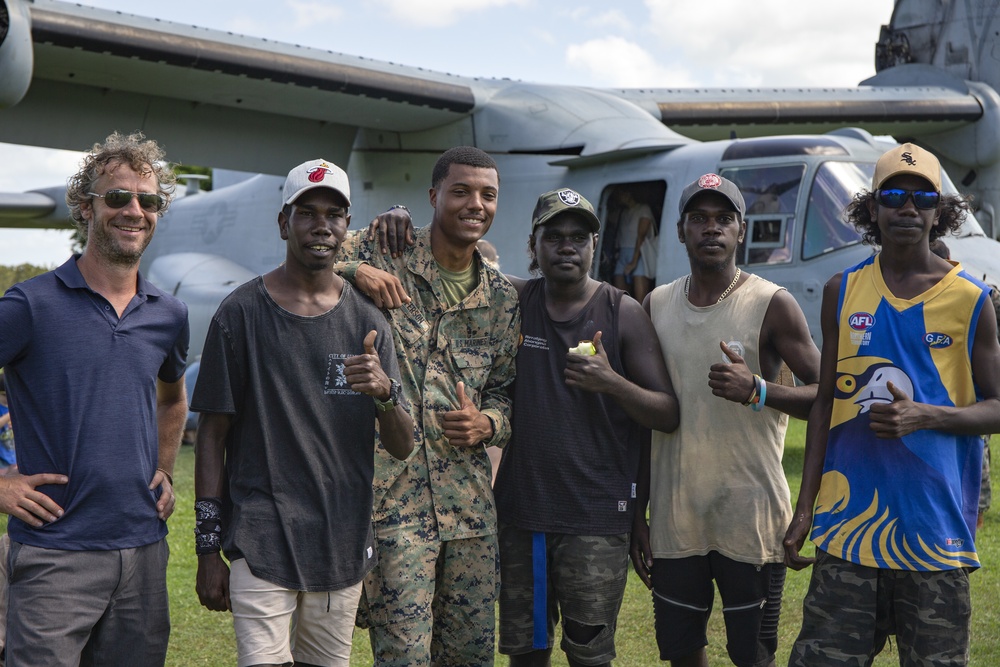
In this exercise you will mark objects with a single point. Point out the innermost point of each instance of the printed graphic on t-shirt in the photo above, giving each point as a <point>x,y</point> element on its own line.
<point>535,342</point>
<point>336,377</point>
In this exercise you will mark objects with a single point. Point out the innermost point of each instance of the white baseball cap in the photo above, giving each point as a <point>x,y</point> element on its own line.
<point>315,174</point>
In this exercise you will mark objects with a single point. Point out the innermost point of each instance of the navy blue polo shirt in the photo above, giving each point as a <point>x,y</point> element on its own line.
<point>82,389</point>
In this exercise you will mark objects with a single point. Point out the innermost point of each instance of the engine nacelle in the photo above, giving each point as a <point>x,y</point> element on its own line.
<point>16,55</point>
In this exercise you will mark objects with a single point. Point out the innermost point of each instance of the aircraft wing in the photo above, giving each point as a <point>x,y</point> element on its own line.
<point>238,102</point>
<point>230,101</point>
<point>910,100</point>
<point>211,97</point>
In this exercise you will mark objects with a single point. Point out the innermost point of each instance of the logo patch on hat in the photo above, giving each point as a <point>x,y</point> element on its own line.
<point>710,181</point>
<point>569,197</point>
<point>317,174</point>
<point>907,158</point>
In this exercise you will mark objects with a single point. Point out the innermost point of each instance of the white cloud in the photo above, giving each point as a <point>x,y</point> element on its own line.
<point>310,13</point>
<point>443,13</point>
<point>48,167</point>
<point>617,62</point>
<point>611,20</point>
<point>782,44</point>
<point>41,247</point>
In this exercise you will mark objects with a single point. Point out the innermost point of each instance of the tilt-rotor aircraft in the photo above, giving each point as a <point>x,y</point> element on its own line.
<point>69,75</point>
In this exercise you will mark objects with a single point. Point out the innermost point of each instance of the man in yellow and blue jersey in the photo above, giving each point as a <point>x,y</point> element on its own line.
<point>909,381</point>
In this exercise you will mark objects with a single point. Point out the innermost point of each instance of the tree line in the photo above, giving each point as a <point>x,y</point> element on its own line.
<point>11,275</point>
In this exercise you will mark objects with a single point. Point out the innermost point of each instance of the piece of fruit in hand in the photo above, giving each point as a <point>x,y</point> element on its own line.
<point>585,347</point>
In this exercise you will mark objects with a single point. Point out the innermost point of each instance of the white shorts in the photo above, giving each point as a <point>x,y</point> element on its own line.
<point>277,625</point>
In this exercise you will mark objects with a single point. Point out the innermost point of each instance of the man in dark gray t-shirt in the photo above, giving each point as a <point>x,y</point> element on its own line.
<point>284,461</point>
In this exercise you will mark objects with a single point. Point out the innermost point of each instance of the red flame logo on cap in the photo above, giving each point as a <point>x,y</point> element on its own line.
<point>709,181</point>
<point>317,174</point>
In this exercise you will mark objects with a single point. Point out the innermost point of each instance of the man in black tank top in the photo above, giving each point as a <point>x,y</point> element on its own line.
<point>565,490</point>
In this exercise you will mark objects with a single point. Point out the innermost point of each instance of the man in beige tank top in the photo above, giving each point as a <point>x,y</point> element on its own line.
<point>719,502</point>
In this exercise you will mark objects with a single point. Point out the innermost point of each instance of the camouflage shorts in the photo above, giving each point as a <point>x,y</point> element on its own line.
<point>850,611</point>
<point>585,580</point>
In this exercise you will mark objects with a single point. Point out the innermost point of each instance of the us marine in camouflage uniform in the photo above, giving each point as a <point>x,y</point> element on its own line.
<point>430,600</point>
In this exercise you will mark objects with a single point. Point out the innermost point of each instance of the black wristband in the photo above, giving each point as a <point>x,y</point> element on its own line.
<point>207,525</point>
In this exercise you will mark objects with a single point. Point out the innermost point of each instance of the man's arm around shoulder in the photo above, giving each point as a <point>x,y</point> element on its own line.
<point>370,271</point>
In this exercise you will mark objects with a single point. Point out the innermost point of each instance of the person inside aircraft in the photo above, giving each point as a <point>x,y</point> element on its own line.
<point>636,239</point>
<point>298,368</point>
<point>901,406</point>
<point>720,462</point>
<point>431,600</point>
<point>566,484</point>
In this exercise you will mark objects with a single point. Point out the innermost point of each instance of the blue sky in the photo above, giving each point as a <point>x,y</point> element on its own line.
<point>648,43</point>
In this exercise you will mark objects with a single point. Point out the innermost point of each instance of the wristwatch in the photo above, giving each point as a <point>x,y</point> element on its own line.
<point>393,400</point>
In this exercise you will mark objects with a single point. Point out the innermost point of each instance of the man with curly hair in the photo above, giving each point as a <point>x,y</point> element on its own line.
<point>94,364</point>
<point>909,381</point>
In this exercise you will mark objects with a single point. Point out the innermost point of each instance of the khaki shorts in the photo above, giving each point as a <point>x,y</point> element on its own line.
<point>277,625</point>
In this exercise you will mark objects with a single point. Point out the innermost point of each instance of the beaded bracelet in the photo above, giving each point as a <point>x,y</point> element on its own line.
<point>754,394</point>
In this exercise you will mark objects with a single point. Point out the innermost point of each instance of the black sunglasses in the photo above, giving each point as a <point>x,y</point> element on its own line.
<point>896,198</point>
<point>149,201</point>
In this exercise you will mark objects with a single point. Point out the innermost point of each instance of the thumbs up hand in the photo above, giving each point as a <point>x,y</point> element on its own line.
<point>364,372</point>
<point>591,372</point>
<point>732,380</point>
<point>466,426</point>
<point>900,417</point>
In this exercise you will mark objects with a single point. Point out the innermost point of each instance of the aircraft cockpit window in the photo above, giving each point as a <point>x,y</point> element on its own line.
<point>826,228</point>
<point>770,193</point>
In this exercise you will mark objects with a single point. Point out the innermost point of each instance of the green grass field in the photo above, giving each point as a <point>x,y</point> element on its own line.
<point>201,637</point>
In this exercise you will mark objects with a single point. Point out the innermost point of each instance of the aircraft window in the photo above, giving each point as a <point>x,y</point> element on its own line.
<point>770,194</point>
<point>826,228</point>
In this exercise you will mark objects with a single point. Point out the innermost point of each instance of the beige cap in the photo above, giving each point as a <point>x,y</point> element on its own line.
<point>907,159</point>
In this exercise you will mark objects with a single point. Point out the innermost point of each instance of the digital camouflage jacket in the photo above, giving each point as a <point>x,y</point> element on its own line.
<point>474,342</point>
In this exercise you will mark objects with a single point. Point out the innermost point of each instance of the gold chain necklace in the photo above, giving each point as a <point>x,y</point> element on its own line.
<point>736,279</point>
